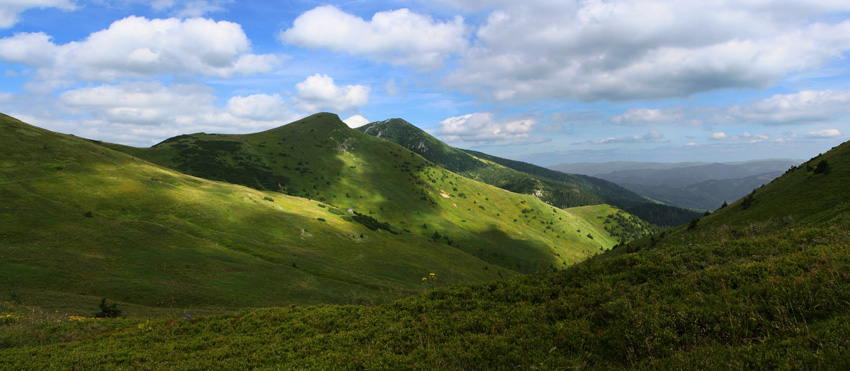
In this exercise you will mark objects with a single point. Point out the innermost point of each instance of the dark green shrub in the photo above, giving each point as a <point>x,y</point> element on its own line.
<point>822,167</point>
<point>107,311</point>
<point>693,224</point>
<point>748,201</point>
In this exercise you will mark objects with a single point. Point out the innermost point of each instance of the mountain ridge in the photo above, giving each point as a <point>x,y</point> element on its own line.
<point>555,188</point>
<point>759,284</point>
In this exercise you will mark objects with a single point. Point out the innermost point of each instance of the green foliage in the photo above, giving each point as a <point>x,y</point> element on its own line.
<point>108,311</point>
<point>372,223</point>
<point>747,201</point>
<point>822,167</point>
<point>763,303</point>
<point>693,224</point>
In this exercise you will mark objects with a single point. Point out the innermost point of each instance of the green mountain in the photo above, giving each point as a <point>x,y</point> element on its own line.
<point>555,188</point>
<point>80,221</point>
<point>760,284</point>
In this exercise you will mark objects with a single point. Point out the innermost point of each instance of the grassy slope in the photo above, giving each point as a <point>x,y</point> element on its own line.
<point>320,158</point>
<point>772,297</point>
<point>159,239</point>
<point>553,187</point>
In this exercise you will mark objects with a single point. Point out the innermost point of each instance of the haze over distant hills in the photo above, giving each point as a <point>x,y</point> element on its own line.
<point>697,185</point>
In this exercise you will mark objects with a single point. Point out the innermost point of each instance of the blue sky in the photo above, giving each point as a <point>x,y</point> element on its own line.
<point>543,81</point>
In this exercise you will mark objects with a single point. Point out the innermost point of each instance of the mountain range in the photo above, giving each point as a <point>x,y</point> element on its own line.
<point>695,185</point>
<point>761,283</point>
<point>311,212</point>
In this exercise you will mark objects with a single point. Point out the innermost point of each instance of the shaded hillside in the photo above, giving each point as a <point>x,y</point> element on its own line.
<point>80,222</point>
<point>761,284</point>
<point>553,187</point>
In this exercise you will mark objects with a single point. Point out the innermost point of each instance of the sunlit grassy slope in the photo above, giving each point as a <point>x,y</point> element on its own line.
<point>553,187</point>
<point>79,222</point>
<point>320,158</point>
<point>764,287</point>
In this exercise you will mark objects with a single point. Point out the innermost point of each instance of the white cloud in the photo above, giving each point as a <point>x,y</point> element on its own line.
<point>259,107</point>
<point>136,47</point>
<point>651,137</point>
<point>11,9</point>
<point>143,113</point>
<point>355,121</point>
<point>644,49</point>
<point>319,93</point>
<point>743,137</point>
<point>400,37</point>
<point>483,127</point>
<point>649,116</point>
<point>35,49</point>
<point>824,134</point>
<point>807,106</point>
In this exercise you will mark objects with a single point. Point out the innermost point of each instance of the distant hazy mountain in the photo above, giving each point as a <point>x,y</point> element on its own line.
<point>696,185</point>
<point>707,195</point>
<point>595,168</point>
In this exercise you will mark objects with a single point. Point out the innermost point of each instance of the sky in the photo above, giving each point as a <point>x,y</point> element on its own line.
<point>542,81</point>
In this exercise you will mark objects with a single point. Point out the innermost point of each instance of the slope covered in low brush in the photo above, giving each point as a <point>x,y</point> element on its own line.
<point>555,188</point>
<point>80,222</point>
<point>321,158</point>
<point>760,284</point>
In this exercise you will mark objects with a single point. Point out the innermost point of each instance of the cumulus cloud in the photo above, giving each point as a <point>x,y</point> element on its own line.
<point>260,107</point>
<point>11,9</point>
<point>137,47</point>
<point>399,37</point>
<point>824,134</point>
<point>651,137</point>
<point>483,127</point>
<point>355,121</point>
<point>143,113</point>
<point>319,93</point>
<point>807,106</point>
<point>34,49</point>
<point>644,49</point>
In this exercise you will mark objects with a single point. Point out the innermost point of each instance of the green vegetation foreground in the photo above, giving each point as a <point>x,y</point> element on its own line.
<point>773,302</point>
<point>769,294</point>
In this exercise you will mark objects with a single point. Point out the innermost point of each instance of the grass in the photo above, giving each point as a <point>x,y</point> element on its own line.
<point>552,187</point>
<point>761,288</point>
<point>80,222</point>
<point>776,302</point>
